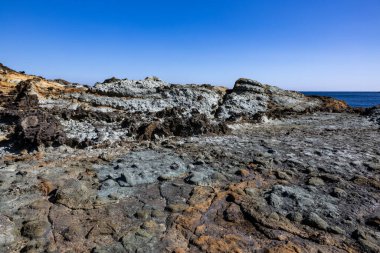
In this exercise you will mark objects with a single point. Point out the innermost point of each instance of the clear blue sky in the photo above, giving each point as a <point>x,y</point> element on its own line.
<point>294,44</point>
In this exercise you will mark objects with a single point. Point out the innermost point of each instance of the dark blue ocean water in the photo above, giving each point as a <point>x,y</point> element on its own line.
<point>354,99</point>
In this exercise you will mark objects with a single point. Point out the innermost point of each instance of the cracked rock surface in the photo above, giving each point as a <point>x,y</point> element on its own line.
<point>148,166</point>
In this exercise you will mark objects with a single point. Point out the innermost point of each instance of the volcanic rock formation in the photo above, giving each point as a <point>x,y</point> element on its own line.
<point>149,166</point>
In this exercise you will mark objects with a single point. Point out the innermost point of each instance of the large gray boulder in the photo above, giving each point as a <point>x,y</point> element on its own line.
<point>152,95</point>
<point>130,88</point>
<point>250,99</point>
<point>247,99</point>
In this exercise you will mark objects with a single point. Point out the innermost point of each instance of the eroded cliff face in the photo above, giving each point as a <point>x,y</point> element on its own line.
<point>148,166</point>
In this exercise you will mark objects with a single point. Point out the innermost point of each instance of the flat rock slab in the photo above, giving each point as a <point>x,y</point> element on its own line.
<point>137,168</point>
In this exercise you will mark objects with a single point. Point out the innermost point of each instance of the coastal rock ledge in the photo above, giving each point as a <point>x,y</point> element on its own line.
<point>150,166</point>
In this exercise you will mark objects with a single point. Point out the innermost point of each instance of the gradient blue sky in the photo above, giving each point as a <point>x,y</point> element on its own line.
<point>294,44</point>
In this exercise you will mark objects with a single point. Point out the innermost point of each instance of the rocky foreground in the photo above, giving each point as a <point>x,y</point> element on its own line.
<point>148,166</point>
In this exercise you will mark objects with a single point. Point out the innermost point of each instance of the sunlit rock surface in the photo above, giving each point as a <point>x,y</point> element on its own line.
<point>149,166</point>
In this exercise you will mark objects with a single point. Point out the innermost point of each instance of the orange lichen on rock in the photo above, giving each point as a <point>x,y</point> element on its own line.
<point>9,79</point>
<point>332,105</point>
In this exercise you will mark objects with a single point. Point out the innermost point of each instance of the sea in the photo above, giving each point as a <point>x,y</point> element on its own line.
<point>354,99</point>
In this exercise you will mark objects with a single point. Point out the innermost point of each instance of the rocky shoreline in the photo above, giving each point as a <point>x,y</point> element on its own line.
<point>148,166</point>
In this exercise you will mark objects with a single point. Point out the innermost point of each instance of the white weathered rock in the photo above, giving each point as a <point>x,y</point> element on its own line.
<point>131,88</point>
<point>249,97</point>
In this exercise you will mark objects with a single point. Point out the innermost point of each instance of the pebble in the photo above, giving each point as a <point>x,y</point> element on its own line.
<point>36,229</point>
<point>196,178</point>
<point>233,213</point>
<point>75,194</point>
<point>282,175</point>
<point>176,208</point>
<point>274,216</point>
<point>336,230</point>
<point>143,214</point>
<point>338,192</point>
<point>295,216</point>
<point>217,176</point>
<point>149,225</point>
<point>251,191</point>
<point>275,200</point>
<point>114,196</point>
<point>158,214</point>
<point>316,181</point>
<point>199,162</point>
<point>243,172</point>
<point>314,220</point>
<point>72,233</point>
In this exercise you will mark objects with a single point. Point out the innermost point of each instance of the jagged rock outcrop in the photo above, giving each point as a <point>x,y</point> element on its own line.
<point>118,109</point>
<point>37,128</point>
<point>33,126</point>
<point>148,166</point>
<point>247,99</point>
<point>172,122</point>
<point>250,100</point>
<point>129,88</point>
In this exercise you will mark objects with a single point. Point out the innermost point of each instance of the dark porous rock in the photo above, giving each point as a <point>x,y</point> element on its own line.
<point>36,128</point>
<point>374,219</point>
<point>23,98</point>
<point>19,98</point>
<point>61,81</point>
<point>111,80</point>
<point>82,114</point>
<point>373,114</point>
<point>173,123</point>
<point>153,78</point>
